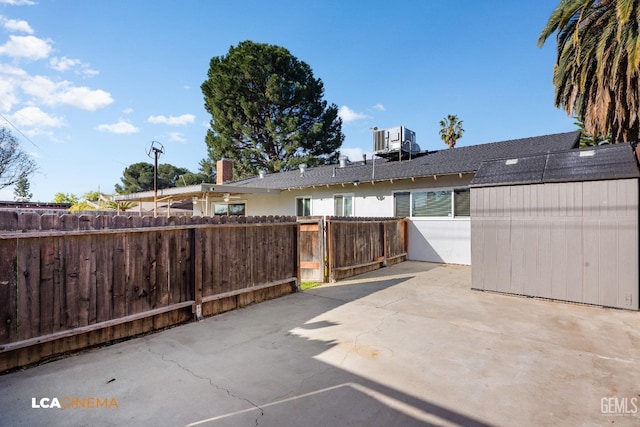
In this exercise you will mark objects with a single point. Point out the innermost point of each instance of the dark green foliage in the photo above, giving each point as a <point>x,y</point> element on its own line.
<point>191,178</point>
<point>139,177</point>
<point>588,140</point>
<point>451,130</point>
<point>267,111</point>
<point>21,190</point>
<point>135,178</point>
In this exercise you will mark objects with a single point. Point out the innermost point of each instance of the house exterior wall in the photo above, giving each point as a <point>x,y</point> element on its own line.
<point>574,241</point>
<point>446,241</point>
<point>441,239</point>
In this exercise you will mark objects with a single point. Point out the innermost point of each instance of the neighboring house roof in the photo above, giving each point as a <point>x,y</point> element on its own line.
<point>34,205</point>
<point>615,161</point>
<point>180,193</point>
<point>443,162</point>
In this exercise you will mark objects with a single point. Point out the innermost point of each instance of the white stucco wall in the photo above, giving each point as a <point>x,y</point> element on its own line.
<point>440,240</point>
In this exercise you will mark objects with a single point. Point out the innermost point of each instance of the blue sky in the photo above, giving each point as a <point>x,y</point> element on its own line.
<point>91,83</point>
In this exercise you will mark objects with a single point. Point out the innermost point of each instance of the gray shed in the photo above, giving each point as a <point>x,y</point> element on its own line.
<point>562,226</point>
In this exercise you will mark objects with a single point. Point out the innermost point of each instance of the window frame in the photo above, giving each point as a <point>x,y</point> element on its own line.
<point>227,205</point>
<point>450,190</point>
<point>298,198</point>
<point>395,206</point>
<point>343,195</point>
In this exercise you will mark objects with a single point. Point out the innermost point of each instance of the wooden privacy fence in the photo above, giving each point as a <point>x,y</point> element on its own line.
<point>70,282</point>
<point>334,248</point>
<point>357,245</point>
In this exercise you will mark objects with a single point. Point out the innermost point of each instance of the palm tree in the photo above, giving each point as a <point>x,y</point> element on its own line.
<point>596,74</point>
<point>451,130</point>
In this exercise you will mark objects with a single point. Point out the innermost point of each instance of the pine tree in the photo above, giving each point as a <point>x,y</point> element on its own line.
<point>21,190</point>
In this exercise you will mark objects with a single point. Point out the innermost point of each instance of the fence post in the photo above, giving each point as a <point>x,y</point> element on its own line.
<point>385,253</point>
<point>405,234</point>
<point>298,258</point>
<point>329,246</point>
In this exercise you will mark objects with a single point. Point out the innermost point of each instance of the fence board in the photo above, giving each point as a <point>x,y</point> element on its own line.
<point>150,271</point>
<point>136,298</point>
<point>47,286</point>
<point>28,287</point>
<point>93,287</point>
<point>84,279</point>
<point>8,291</point>
<point>71,273</point>
<point>104,280</point>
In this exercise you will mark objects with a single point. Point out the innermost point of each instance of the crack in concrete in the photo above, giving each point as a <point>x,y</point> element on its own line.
<point>223,389</point>
<point>391,302</point>
<point>375,328</point>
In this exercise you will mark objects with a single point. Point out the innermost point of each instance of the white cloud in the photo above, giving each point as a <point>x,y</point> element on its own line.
<point>85,98</point>
<point>85,70</point>
<point>172,120</point>
<point>31,133</point>
<point>18,2</point>
<point>65,64</point>
<point>35,117</point>
<point>12,71</point>
<point>14,25</point>
<point>10,77</point>
<point>8,98</point>
<point>29,47</point>
<point>128,110</point>
<point>348,115</point>
<point>54,93</point>
<point>379,107</point>
<point>122,127</point>
<point>177,137</point>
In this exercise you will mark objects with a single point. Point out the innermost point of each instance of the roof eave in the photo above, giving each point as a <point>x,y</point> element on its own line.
<point>192,191</point>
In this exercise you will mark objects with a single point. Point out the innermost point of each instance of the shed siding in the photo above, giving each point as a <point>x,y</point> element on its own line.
<point>574,241</point>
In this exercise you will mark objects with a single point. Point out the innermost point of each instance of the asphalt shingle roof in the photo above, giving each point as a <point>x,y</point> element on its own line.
<point>443,162</point>
<point>594,163</point>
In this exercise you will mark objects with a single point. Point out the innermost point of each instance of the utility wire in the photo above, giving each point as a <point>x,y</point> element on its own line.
<point>19,131</point>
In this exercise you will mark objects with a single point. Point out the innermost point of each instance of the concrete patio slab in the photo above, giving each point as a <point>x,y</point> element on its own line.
<point>406,345</point>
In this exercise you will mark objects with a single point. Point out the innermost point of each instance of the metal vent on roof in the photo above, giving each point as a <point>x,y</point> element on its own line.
<point>511,162</point>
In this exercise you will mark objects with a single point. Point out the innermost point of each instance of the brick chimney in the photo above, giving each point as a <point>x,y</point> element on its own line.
<point>224,171</point>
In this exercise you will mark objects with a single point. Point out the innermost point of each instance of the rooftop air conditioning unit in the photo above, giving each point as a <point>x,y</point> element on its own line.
<point>395,142</point>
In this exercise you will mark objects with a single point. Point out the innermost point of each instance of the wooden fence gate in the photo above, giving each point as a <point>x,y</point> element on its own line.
<point>312,249</point>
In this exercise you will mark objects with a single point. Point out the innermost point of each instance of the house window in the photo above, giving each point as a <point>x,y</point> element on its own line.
<point>402,204</point>
<point>343,205</point>
<point>229,209</point>
<point>462,202</point>
<point>303,206</point>
<point>431,203</point>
